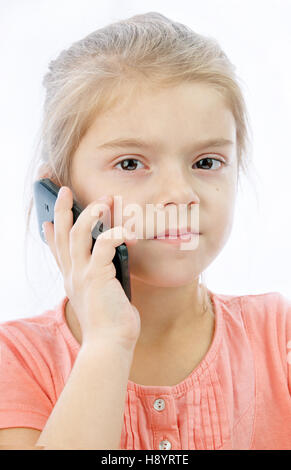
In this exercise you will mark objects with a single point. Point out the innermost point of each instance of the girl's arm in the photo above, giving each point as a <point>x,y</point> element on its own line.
<point>89,411</point>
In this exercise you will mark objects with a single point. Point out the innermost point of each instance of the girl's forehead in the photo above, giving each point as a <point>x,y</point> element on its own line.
<point>188,104</point>
<point>197,92</point>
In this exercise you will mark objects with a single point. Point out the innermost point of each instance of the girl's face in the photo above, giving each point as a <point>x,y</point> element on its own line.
<point>173,166</point>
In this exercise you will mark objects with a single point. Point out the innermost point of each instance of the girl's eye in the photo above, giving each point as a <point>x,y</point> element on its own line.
<point>127,164</point>
<point>208,162</point>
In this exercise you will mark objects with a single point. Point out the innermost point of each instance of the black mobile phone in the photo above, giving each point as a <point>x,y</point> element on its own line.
<point>45,194</point>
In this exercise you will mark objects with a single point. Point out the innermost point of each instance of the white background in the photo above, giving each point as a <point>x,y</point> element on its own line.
<point>256,36</point>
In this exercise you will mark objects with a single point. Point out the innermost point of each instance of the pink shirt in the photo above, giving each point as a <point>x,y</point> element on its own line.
<point>238,397</point>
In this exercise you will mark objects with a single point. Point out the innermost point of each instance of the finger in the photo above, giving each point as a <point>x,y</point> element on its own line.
<point>81,233</point>
<point>105,245</point>
<point>63,221</point>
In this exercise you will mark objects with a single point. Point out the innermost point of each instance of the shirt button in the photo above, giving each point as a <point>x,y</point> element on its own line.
<point>159,404</point>
<point>165,445</point>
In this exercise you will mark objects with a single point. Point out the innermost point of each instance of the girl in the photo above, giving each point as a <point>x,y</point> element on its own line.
<point>148,110</point>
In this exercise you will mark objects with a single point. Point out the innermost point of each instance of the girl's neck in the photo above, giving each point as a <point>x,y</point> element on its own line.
<point>192,317</point>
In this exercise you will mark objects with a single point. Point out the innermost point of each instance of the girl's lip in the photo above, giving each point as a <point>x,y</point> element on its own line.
<point>176,232</point>
<point>177,240</point>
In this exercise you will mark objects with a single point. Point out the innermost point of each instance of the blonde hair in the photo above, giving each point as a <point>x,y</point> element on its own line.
<point>90,76</point>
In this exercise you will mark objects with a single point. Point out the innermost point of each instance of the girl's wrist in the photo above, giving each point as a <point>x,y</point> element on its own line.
<point>109,346</point>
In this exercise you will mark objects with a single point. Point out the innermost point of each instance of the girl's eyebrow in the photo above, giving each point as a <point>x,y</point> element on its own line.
<point>147,145</point>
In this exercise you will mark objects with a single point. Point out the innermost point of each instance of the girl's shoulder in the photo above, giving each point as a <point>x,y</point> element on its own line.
<point>259,324</point>
<point>34,326</point>
<point>35,339</point>
<point>268,304</point>
<point>265,316</point>
<point>34,363</point>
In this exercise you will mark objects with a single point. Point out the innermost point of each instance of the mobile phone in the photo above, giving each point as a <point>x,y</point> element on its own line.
<point>45,194</point>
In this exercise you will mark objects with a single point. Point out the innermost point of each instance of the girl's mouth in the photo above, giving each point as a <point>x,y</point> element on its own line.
<point>179,239</point>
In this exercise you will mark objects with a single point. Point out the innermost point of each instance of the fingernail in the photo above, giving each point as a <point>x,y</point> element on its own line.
<point>103,198</point>
<point>62,191</point>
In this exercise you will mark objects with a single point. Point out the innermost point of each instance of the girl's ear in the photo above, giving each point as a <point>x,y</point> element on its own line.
<point>44,171</point>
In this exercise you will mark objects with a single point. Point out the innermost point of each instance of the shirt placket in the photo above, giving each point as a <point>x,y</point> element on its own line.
<point>164,423</point>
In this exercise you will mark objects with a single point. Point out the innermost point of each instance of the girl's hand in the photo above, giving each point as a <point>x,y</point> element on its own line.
<point>97,297</point>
